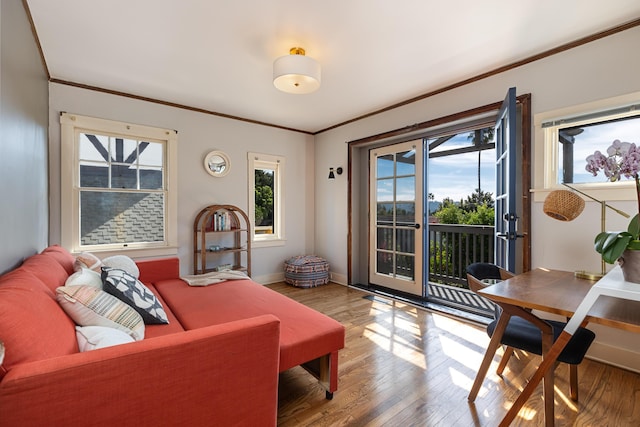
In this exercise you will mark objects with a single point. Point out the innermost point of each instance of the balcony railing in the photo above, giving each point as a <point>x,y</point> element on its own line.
<point>453,247</point>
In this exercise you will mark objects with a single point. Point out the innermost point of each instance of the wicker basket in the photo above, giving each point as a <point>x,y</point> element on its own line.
<point>563,205</point>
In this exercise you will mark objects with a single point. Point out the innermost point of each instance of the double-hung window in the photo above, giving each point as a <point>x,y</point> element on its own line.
<point>571,135</point>
<point>118,186</point>
<point>266,199</point>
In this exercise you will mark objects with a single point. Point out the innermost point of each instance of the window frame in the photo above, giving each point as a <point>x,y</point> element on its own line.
<point>547,126</point>
<point>277,164</point>
<point>71,125</point>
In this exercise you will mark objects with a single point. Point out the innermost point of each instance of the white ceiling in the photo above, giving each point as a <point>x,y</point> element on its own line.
<point>217,55</point>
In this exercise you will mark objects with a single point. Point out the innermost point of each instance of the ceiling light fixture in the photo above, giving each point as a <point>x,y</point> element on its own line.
<point>296,73</point>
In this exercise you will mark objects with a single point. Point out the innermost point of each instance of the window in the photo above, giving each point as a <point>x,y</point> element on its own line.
<point>266,199</point>
<point>118,186</point>
<point>573,134</point>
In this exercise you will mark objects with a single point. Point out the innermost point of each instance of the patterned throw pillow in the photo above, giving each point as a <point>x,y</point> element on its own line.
<point>89,306</point>
<point>127,288</point>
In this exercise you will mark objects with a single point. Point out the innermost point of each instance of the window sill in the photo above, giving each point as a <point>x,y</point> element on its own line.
<point>267,243</point>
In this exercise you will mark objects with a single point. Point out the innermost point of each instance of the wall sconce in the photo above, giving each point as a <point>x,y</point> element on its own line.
<point>338,170</point>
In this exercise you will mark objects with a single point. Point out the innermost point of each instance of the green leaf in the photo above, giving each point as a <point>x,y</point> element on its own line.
<point>606,239</point>
<point>634,227</point>
<point>612,252</point>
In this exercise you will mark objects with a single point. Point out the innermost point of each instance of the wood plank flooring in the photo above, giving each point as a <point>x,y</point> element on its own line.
<point>404,366</point>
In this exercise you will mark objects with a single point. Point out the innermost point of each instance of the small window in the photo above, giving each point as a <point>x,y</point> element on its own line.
<point>266,199</point>
<point>118,186</point>
<point>578,137</point>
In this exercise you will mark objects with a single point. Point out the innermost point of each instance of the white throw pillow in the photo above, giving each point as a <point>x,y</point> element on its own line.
<point>122,262</point>
<point>85,277</point>
<point>95,337</point>
<point>88,306</point>
<point>87,260</point>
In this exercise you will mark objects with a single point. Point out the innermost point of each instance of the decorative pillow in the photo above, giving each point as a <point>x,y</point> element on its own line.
<point>85,277</point>
<point>95,337</point>
<point>87,260</point>
<point>89,306</point>
<point>127,288</point>
<point>122,262</point>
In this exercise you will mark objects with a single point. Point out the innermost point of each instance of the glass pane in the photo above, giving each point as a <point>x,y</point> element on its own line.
<point>405,268</point>
<point>94,147</point>
<point>406,163</point>
<point>151,178</point>
<point>124,176</point>
<point>385,166</point>
<point>124,150</point>
<point>385,239</point>
<point>406,240</point>
<point>385,214</point>
<point>264,201</point>
<point>384,191</point>
<point>94,175</point>
<point>578,142</point>
<point>113,217</point>
<point>384,264</point>
<point>405,213</point>
<point>151,154</point>
<point>406,189</point>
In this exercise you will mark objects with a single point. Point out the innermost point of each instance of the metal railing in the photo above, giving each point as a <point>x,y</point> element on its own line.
<point>453,247</point>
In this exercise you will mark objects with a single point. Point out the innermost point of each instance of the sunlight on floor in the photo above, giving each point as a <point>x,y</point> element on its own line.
<point>526,413</point>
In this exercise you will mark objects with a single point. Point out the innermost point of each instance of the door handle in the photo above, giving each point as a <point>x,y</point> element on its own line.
<point>416,226</point>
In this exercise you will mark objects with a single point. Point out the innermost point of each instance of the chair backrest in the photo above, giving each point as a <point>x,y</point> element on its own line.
<point>479,271</point>
<point>484,270</point>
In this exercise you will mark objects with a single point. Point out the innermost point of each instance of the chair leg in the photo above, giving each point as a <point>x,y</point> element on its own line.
<point>573,382</point>
<point>505,359</point>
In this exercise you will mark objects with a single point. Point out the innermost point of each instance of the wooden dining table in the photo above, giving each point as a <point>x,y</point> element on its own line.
<point>557,292</point>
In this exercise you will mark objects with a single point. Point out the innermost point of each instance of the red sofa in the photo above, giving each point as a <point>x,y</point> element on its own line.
<point>215,363</point>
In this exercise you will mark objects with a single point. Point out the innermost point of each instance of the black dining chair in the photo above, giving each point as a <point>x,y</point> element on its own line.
<point>524,330</point>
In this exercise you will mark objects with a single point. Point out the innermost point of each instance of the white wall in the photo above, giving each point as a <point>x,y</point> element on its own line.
<point>199,133</point>
<point>602,69</point>
<point>23,140</point>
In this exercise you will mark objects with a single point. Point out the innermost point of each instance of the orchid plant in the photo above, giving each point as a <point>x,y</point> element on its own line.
<point>622,160</point>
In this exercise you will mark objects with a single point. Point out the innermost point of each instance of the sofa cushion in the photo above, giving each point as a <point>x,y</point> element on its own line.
<point>84,277</point>
<point>89,306</point>
<point>47,268</point>
<point>32,325</point>
<point>305,334</point>
<point>64,258</point>
<point>95,337</point>
<point>158,330</point>
<point>127,288</point>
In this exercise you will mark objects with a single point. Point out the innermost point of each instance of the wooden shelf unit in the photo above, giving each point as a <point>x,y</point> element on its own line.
<point>221,233</point>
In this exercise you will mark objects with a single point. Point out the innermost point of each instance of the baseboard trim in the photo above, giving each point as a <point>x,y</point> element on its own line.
<point>615,356</point>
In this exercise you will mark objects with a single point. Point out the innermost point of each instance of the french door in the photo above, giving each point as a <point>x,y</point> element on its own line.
<point>506,217</point>
<point>396,217</point>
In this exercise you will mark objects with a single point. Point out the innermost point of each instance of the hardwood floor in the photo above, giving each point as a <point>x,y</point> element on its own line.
<point>404,366</point>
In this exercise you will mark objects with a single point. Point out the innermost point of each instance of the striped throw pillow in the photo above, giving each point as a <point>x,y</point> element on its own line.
<point>89,306</point>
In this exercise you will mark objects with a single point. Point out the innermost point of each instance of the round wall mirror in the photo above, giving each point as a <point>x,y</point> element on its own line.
<point>217,163</point>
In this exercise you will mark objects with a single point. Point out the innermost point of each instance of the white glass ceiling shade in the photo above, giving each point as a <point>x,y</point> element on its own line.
<point>296,73</point>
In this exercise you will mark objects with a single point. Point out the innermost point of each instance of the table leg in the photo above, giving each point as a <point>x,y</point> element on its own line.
<point>503,321</point>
